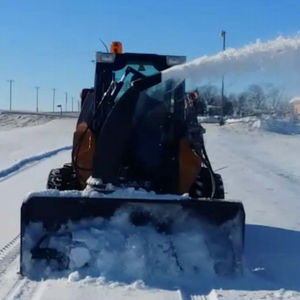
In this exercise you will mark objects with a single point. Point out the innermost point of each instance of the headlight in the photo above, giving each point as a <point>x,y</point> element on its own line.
<point>105,57</point>
<point>175,60</point>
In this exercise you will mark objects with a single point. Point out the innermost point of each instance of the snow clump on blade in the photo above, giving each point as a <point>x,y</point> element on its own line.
<point>118,250</point>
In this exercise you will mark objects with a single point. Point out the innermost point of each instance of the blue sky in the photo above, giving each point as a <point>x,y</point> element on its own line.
<point>51,43</point>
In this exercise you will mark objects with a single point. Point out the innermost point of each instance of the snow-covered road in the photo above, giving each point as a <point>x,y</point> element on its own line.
<point>261,169</point>
<point>26,156</point>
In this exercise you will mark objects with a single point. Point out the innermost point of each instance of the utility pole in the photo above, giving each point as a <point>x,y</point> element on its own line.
<point>223,36</point>
<point>10,93</point>
<point>60,107</point>
<point>66,100</point>
<point>37,98</point>
<point>72,103</point>
<point>78,103</point>
<point>53,99</point>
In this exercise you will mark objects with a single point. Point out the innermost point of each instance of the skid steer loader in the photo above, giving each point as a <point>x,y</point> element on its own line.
<point>137,149</point>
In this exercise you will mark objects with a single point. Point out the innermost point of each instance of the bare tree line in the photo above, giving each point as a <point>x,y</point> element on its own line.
<point>255,99</point>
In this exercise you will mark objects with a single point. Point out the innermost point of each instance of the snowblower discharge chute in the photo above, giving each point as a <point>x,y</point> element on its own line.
<point>137,148</point>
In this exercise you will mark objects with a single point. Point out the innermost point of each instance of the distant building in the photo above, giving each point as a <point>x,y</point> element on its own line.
<point>295,102</point>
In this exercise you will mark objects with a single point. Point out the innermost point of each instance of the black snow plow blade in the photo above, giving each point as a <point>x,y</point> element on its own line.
<point>44,218</point>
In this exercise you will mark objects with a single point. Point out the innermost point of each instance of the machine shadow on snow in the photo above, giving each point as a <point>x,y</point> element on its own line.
<point>271,262</point>
<point>274,254</point>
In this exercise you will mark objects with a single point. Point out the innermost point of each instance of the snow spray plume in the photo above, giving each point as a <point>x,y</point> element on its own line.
<point>279,55</point>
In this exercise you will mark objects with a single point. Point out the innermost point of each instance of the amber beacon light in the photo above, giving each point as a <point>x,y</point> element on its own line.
<point>116,47</point>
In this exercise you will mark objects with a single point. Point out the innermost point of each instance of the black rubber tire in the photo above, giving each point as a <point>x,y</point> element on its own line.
<point>62,178</point>
<point>202,187</point>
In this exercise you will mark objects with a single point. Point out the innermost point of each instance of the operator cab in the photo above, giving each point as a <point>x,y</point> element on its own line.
<point>110,67</point>
<point>156,120</point>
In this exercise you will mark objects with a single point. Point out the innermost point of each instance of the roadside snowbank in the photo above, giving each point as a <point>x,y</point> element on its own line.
<point>11,120</point>
<point>281,126</point>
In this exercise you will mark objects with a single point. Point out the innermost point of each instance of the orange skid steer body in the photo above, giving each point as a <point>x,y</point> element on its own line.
<point>133,132</point>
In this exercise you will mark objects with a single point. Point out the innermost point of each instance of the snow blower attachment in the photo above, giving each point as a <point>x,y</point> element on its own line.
<point>137,149</point>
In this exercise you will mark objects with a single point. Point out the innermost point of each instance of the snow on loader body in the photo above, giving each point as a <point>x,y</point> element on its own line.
<point>140,134</point>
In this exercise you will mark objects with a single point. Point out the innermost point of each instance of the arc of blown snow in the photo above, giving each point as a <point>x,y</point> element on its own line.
<point>279,55</point>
